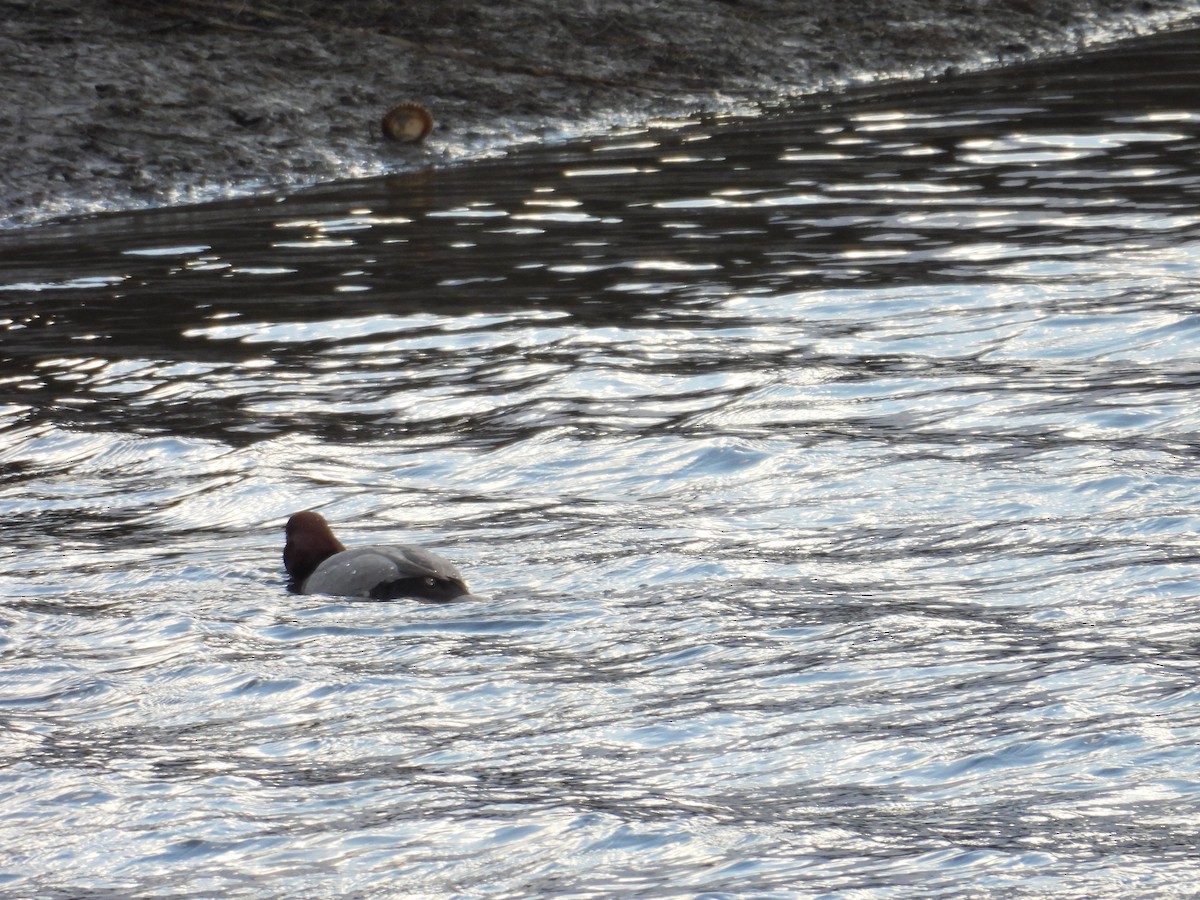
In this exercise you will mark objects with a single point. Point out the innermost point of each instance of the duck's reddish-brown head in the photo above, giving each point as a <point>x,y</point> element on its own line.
<point>310,542</point>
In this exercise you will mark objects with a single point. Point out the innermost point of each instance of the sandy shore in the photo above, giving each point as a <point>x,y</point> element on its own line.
<point>117,104</point>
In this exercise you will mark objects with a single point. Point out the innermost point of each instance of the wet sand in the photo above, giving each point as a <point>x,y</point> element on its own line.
<point>119,105</point>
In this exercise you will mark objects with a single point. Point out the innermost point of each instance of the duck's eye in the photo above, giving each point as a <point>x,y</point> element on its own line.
<point>430,582</point>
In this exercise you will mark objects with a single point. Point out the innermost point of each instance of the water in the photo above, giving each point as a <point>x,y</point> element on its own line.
<point>831,477</point>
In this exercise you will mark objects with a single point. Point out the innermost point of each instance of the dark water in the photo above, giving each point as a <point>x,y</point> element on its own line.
<point>832,477</point>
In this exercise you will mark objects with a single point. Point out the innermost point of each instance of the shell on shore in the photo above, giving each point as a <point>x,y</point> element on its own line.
<point>407,123</point>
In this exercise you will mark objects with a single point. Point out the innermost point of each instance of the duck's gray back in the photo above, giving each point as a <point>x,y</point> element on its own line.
<point>366,571</point>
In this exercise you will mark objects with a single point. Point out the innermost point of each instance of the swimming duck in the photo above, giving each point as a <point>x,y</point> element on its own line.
<point>319,563</point>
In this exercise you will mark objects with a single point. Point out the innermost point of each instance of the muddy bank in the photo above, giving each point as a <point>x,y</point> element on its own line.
<point>113,105</point>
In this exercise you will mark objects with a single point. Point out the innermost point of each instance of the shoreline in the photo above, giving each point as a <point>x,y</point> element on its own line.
<point>130,104</point>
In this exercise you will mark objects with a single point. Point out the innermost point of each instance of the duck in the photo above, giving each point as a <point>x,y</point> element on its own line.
<point>318,563</point>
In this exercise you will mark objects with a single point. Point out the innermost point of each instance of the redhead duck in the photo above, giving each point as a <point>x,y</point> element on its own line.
<point>318,563</point>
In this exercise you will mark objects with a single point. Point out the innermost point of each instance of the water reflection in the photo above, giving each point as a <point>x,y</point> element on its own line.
<point>831,471</point>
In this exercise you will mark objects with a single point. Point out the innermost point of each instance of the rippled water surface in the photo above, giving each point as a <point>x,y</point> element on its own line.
<point>831,478</point>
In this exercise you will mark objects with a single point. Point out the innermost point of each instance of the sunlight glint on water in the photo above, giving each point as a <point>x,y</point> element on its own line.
<point>829,479</point>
